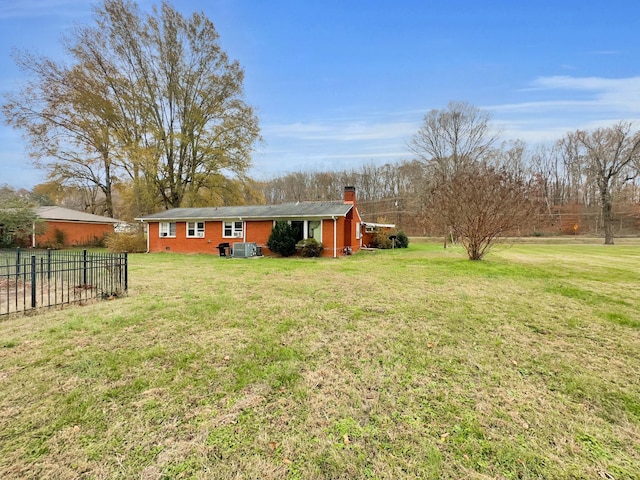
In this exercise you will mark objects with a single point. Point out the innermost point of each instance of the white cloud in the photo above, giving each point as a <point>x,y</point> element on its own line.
<point>566,104</point>
<point>605,52</point>
<point>606,93</point>
<point>341,131</point>
<point>541,106</point>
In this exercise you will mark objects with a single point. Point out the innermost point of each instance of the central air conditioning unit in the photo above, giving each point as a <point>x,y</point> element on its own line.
<point>245,250</point>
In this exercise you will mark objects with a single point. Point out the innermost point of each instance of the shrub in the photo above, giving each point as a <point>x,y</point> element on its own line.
<point>60,237</point>
<point>282,239</point>
<point>402,241</point>
<point>311,248</point>
<point>126,242</point>
<point>96,242</point>
<point>380,239</point>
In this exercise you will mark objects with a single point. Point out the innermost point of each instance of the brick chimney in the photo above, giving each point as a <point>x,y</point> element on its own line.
<point>350,195</point>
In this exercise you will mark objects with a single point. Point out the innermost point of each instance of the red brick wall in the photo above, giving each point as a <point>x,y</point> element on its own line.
<point>75,233</point>
<point>259,232</point>
<point>255,231</point>
<point>327,239</point>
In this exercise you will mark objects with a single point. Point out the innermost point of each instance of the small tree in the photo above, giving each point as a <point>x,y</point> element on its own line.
<point>282,239</point>
<point>481,203</point>
<point>18,221</point>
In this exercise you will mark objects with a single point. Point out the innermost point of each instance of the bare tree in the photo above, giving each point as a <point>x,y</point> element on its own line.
<point>452,139</point>
<point>153,94</point>
<point>63,120</point>
<point>607,156</point>
<point>482,203</point>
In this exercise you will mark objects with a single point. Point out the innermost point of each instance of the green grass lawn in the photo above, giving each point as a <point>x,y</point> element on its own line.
<point>410,363</point>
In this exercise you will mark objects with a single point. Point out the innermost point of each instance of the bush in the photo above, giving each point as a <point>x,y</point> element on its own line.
<point>402,241</point>
<point>96,242</point>
<point>60,237</point>
<point>126,242</point>
<point>282,239</point>
<point>311,248</point>
<point>380,239</point>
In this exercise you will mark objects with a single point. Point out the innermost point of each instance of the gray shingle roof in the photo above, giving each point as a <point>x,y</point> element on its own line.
<point>68,215</point>
<point>255,212</point>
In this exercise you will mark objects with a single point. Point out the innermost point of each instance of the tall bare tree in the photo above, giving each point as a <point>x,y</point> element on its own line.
<point>62,117</point>
<point>153,94</point>
<point>607,157</point>
<point>452,138</point>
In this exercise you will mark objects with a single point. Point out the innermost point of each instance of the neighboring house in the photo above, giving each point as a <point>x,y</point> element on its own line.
<point>337,225</point>
<point>67,227</point>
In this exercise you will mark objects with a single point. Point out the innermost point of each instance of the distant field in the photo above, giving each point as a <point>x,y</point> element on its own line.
<point>411,363</point>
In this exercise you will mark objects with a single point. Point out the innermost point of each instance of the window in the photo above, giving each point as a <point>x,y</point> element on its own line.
<point>232,229</point>
<point>168,229</point>
<point>314,230</point>
<point>195,229</point>
<point>303,229</point>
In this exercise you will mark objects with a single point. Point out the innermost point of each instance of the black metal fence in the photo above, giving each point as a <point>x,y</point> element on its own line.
<point>31,279</point>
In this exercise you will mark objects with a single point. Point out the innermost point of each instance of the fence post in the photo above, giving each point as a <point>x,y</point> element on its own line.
<point>126,272</point>
<point>17,262</point>
<point>48,264</point>
<point>33,281</point>
<point>84,267</point>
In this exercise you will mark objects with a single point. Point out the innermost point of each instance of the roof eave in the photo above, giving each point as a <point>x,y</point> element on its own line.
<point>239,217</point>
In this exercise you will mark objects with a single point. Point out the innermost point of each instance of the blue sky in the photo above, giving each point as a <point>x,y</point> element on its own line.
<point>338,84</point>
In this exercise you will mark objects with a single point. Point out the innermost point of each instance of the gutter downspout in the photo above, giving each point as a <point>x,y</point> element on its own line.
<point>146,228</point>
<point>33,235</point>
<point>335,237</point>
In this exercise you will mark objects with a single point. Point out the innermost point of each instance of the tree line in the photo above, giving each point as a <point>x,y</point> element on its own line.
<point>585,181</point>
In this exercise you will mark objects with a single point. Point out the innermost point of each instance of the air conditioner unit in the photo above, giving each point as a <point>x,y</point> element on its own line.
<point>245,250</point>
<point>237,234</point>
<point>200,235</point>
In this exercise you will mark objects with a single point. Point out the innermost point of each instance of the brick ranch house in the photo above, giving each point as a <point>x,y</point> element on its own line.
<point>72,226</point>
<point>335,224</point>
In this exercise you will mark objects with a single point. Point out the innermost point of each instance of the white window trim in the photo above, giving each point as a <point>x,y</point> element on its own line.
<point>166,231</point>
<point>234,233</point>
<point>198,232</point>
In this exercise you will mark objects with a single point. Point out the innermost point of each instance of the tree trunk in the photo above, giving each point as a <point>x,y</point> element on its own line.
<point>108,186</point>
<point>607,216</point>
